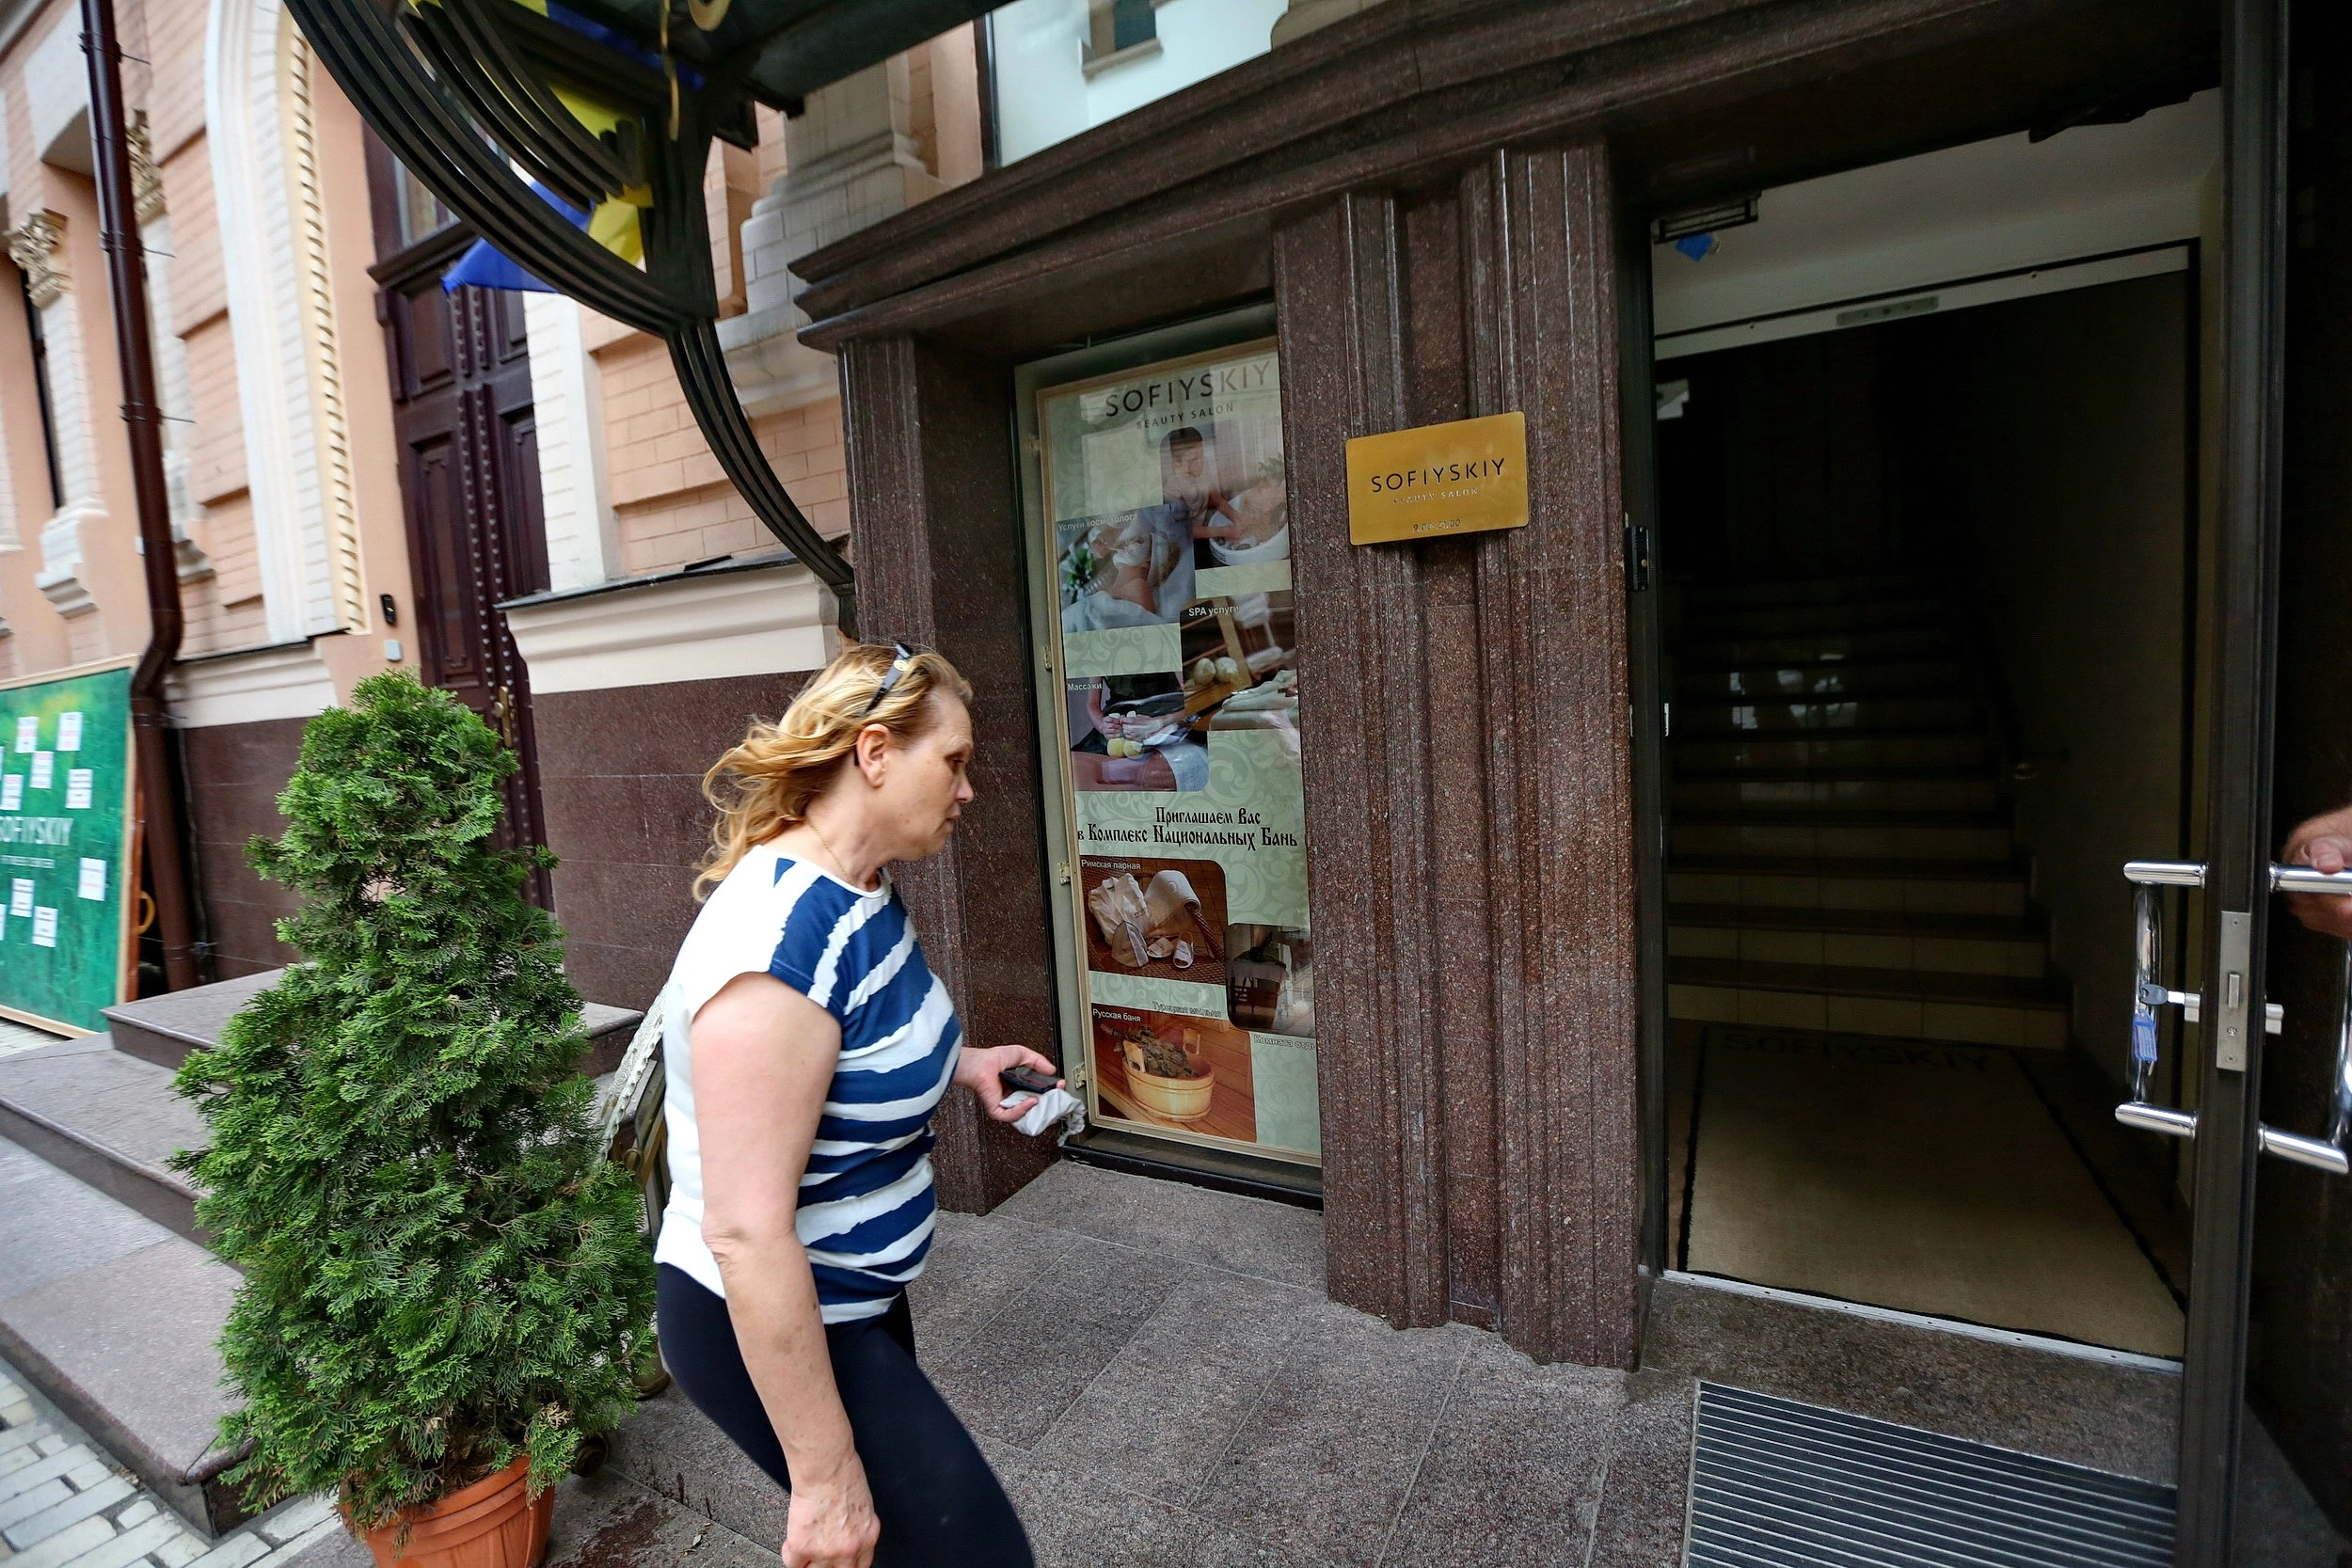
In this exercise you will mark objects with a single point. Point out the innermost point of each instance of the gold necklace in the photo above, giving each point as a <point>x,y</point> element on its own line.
<point>840,867</point>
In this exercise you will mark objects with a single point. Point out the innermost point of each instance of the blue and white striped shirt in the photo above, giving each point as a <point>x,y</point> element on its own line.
<point>866,1205</point>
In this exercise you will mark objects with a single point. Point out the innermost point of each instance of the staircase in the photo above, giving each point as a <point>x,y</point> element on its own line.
<point>1840,856</point>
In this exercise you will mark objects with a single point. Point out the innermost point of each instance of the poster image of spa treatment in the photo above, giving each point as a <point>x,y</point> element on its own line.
<point>1176,630</point>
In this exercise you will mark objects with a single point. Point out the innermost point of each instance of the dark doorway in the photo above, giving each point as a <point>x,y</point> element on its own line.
<point>469,469</point>
<point>1933,584</point>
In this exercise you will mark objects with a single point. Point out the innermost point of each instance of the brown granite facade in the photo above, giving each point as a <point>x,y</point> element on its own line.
<point>620,777</point>
<point>1432,197</point>
<point>235,773</point>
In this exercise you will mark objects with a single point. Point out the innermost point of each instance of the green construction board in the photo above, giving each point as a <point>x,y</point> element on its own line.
<point>65,844</point>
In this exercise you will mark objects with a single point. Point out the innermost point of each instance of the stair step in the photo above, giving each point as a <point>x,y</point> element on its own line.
<point>1706,648</point>
<point>164,1029</point>
<point>1983,1009</point>
<point>1835,678</point>
<point>1766,715</point>
<point>1799,620</point>
<point>1844,835</point>
<point>1883,585</point>
<point>1827,749</point>
<point>1858,939</point>
<point>114,1321</point>
<point>109,1119</point>
<point>1995,888</point>
<point>1890,789</point>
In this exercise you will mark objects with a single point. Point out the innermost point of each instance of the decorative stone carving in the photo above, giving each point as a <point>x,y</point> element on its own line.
<point>33,246</point>
<point>147,180</point>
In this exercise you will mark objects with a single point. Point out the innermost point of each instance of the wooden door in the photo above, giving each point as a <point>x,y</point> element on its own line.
<point>460,366</point>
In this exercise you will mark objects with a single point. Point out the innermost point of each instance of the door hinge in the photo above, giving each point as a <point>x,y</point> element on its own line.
<point>1637,550</point>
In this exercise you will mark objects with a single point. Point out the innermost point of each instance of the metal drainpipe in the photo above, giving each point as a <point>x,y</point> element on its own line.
<point>126,283</point>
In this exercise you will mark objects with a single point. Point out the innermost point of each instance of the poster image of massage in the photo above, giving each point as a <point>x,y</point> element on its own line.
<point>1176,1072</point>
<point>1131,733</point>
<point>1158,475</point>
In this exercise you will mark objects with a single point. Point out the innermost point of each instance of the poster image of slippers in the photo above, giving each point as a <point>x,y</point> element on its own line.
<point>1130,568</point>
<point>1241,662</point>
<point>1171,1070</point>
<point>1164,920</point>
<point>1128,733</point>
<point>1270,980</point>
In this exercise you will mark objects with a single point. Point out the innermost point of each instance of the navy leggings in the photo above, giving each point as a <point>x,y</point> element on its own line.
<point>939,1503</point>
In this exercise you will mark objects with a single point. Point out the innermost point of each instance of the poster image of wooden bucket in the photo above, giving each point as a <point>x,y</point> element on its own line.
<point>1175,1072</point>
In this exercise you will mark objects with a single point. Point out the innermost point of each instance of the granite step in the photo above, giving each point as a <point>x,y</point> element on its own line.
<point>1843,835</point>
<point>1805,620</point>
<point>1784,679</point>
<point>1903,1003</point>
<point>1835,790</point>
<point>1860,939</point>
<point>1722,752</point>
<point>1995,888</point>
<point>114,1320</point>
<point>1710,648</point>
<point>164,1029</point>
<point>1837,589</point>
<point>1768,715</point>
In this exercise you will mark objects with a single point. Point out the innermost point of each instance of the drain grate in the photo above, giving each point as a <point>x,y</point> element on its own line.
<point>1778,1484</point>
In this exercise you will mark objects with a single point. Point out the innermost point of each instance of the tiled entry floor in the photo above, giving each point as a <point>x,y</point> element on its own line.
<point>1154,1372</point>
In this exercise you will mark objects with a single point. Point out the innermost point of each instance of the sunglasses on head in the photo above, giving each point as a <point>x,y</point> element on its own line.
<point>900,665</point>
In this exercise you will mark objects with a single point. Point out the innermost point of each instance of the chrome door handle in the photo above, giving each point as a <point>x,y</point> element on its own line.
<point>2149,993</point>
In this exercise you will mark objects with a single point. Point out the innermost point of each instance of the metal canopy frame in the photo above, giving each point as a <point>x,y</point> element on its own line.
<point>464,94</point>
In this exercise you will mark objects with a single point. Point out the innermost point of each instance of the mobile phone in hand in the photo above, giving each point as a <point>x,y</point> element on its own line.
<point>1025,1080</point>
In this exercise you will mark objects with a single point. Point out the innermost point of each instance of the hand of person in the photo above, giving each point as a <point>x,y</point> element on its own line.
<point>977,1070</point>
<point>831,1524</point>
<point>2324,844</point>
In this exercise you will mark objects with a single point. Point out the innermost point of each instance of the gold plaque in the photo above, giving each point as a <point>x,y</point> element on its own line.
<point>1439,479</point>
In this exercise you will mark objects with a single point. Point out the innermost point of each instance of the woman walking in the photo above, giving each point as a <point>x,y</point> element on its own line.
<point>806,1043</point>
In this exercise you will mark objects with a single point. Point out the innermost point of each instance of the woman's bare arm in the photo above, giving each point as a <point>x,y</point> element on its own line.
<point>764,1057</point>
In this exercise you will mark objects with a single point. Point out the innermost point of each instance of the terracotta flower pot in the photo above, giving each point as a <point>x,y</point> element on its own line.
<point>495,1523</point>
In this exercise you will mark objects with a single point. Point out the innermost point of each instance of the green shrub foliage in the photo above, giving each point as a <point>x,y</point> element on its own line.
<point>442,1269</point>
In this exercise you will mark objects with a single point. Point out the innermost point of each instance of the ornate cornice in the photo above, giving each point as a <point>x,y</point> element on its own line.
<point>33,246</point>
<point>147,180</point>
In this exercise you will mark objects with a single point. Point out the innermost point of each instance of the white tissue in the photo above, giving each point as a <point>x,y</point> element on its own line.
<point>1051,1107</point>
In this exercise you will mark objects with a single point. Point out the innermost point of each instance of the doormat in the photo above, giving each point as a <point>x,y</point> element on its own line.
<point>1913,1174</point>
<point>1773,1481</point>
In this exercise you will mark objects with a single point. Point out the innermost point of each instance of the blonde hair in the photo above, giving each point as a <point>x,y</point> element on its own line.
<point>765,785</point>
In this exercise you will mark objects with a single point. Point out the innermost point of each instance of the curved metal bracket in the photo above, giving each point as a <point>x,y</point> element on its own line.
<point>437,130</point>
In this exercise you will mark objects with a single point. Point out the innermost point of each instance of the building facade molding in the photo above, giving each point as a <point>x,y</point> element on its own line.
<point>33,246</point>
<point>287,681</point>
<point>759,622</point>
<point>147,180</point>
<point>575,480</point>
<point>257,125</point>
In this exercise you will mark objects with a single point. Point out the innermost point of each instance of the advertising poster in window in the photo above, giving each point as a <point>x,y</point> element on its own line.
<point>65,845</point>
<point>1176,630</point>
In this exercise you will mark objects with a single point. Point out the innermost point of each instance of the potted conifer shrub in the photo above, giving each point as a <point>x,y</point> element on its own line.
<point>445,1284</point>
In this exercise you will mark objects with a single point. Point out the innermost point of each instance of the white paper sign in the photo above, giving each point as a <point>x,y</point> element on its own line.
<point>93,878</point>
<point>12,792</point>
<point>3,923</point>
<point>77,789</point>
<point>44,926</point>
<point>21,896</point>
<point>44,769</point>
<point>68,732</point>
<point>28,732</point>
